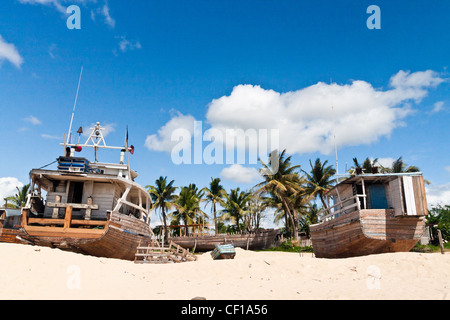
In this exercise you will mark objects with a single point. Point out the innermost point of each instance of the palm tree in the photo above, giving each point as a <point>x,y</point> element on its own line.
<point>188,206</point>
<point>256,205</point>
<point>163,197</point>
<point>281,183</point>
<point>214,194</point>
<point>309,217</point>
<point>319,180</point>
<point>399,166</point>
<point>235,206</point>
<point>20,198</point>
<point>370,165</point>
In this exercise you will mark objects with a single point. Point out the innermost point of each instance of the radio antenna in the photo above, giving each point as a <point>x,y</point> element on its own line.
<point>69,135</point>
<point>334,137</point>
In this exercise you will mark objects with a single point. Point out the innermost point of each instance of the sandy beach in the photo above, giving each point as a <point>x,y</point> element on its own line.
<point>31,272</point>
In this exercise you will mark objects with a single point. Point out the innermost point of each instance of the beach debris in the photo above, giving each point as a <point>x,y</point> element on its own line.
<point>223,251</point>
<point>153,252</point>
<point>198,298</point>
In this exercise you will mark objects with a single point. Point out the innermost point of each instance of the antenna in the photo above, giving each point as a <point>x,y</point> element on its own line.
<point>69,135</point>
<point>334,137</point>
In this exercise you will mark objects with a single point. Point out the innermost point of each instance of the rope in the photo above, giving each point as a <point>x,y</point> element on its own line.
<point>48,164</point>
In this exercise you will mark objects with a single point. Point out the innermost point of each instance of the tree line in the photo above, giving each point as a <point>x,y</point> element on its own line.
<point>291,193</point>
<point>295,196</point>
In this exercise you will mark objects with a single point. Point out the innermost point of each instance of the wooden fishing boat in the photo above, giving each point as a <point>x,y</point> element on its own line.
<point>372,213</point>
<point>258,240</point>
<point>91,208</point>
<point>10,231</point>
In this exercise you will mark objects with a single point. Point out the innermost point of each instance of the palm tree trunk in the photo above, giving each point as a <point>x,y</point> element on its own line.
<point>291,218</point>
<point>164,221</point>
<point>323,201</point>
<point>215,219</point>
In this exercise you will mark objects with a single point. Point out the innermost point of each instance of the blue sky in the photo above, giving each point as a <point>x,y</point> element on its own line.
<point>153,65</point>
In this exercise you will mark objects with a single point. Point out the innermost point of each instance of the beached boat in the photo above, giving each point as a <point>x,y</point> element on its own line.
<point>258,240</point>
<point>372,213</point>
<point>10,231</point>
<point>92,208</point>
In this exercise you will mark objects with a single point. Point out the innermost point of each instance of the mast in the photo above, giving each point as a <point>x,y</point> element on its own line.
<point>69,134</point>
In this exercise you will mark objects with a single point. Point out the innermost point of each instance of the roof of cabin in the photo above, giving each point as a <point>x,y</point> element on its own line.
<point>374,178</point>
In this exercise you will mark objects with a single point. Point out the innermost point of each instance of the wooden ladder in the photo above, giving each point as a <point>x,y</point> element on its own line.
<point>153,252</point>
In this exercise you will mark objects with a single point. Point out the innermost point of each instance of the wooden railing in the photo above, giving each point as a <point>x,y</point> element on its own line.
<point>342,209</point>
<point>67,222</point>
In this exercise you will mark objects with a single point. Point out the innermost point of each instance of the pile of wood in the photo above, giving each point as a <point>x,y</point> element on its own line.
<point>154,252</point>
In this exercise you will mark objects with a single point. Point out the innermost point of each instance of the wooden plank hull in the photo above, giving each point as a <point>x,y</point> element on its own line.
<point>366,232</point>
<point>118,239</point>
<point>253,241</point>
<point>11,235</point>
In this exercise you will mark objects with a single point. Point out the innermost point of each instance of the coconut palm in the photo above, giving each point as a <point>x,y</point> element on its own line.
<point>281,183</point>
<point>188,206</point>
<point>309,217</point>
<point>20,198</point>
<point>214,194</point>
<point>319,179</point>
<point>163,197</point>
<point>256,205</point>
<point>236,206</point>
<point>370,165</point>
<point>399,166</point>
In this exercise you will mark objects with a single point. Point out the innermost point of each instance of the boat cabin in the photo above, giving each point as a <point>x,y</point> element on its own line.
<point>10,218</point>
<point>403,193</point>
<point>92,190</point>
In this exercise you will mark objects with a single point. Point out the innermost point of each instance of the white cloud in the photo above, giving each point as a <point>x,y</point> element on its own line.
<point>51,50</point>
<point>163,140</point>
<point>33,120</point>
<point>304,118</point>
<point>240,174</point>
<point>9,52</point>
<point>106,14</point>
<point>438,106</point>
<point>419,79</point>
<point>438,194</point>
<point>56,3</point>
<point>8,187</point>
<point>127,45</point>
<point>447,168</point>
<point>385,162</point>
<point>107,129</point>
<point>61,6</point>
<point>49,136</point>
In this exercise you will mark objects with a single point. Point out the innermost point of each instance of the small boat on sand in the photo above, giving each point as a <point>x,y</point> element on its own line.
<point>372,213</point>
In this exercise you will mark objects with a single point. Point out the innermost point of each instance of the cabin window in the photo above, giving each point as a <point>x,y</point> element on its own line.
<point>378,196</point>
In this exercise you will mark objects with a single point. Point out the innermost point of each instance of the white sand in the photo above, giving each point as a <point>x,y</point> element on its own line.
<point>30,272</point>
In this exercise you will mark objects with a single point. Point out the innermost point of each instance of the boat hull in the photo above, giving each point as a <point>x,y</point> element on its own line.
<point>252,241</point>
<point>118,239</point>
<point>366,232</point>
<point>11,236</point>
